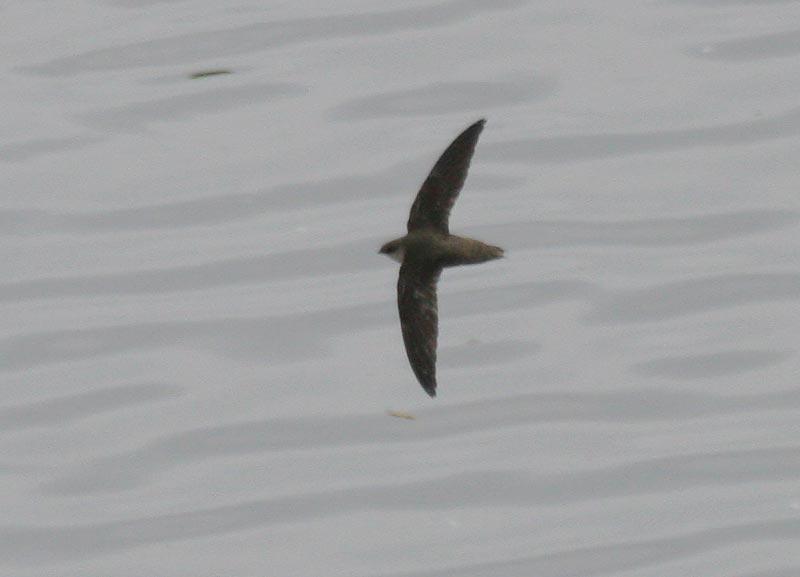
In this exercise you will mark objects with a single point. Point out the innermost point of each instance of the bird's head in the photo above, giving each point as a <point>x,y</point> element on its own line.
<point>394,250</point>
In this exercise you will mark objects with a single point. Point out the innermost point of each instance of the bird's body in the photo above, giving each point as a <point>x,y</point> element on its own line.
<point>428,248</point>
<point>443,249</point>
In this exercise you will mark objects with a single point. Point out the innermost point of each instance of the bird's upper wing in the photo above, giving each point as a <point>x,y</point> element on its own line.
<point>416,301</point>
<point>434,200</point>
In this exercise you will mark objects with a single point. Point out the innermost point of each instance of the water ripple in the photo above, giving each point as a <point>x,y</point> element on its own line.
<point>308,263</point>
<point>731,2</point>
<point>225,207</point>
<point>444,98</point>
<point>274,339</point>
<point>274,267</point>
<point>710,365</point>
<point>60,411</point>
<point>694,296</point>
<point>645,232</point>
<point>32,545</point>
<point>576,147</point>
<point>130,469</point>
<point>480,354</point>
<point>138,115</point>
<point>28,149</point>
<point>619,558</point>
<point>215,44</point>
<point>775,45</point>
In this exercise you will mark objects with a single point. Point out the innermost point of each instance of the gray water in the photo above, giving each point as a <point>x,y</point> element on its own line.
<point>200,345</point>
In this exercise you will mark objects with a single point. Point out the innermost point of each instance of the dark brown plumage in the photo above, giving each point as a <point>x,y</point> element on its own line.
<point>428,248</point>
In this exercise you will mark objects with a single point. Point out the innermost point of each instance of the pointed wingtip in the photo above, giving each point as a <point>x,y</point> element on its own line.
<point>476,127</point>
<point>430,388</point>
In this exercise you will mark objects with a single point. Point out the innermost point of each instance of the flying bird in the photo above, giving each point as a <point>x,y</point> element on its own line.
<point>428,248</point>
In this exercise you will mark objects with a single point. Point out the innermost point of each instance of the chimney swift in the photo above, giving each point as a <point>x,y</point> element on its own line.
<point>428,248</point>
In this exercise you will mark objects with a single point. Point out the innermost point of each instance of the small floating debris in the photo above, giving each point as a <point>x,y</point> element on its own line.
<point>205,73</point>
<point>401,415</point>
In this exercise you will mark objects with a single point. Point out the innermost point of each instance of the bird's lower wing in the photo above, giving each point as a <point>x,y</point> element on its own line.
<point>417,303</point>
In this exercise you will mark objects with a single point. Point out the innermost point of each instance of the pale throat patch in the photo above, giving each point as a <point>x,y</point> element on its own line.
<point>398,254</point>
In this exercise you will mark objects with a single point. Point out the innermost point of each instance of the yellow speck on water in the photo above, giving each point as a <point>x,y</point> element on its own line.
<point>401,415</point>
